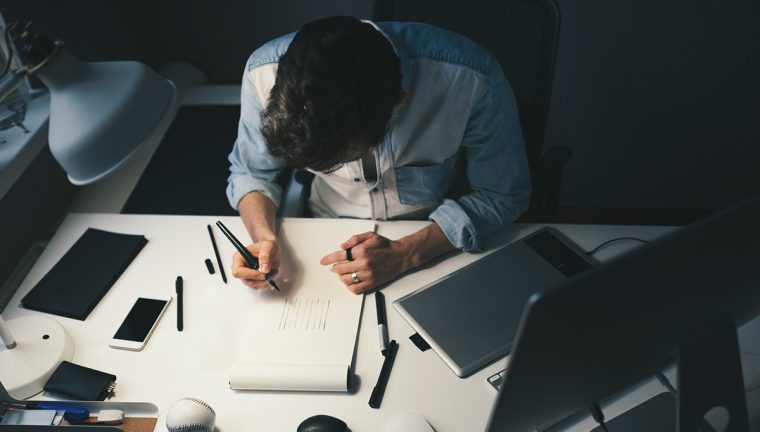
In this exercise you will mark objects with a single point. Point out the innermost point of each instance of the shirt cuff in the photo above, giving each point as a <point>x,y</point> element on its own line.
<point>457,226</point>
<point>239,186</point>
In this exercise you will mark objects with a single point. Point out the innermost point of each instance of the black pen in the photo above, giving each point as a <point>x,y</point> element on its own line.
<point>216,252</point>
<point>178,288</point>
<point>251,260</point>
<point>385,373</point>
<point>382,330</point>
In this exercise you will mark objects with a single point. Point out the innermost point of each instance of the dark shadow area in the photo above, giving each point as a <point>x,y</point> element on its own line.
<point>216,36</point>
<point>31,210</point>
<point>188,172</point>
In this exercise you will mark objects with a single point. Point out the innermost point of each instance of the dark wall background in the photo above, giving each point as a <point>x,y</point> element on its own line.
<point>31,209</point>
<point>216,36</point>
<point>659,99</point>
<point>92,30</point>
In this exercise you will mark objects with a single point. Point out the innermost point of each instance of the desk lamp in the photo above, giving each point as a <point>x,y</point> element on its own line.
<point>100,114</point>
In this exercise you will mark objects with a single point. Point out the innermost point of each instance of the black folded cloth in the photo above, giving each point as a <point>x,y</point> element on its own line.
<point>77,282</point>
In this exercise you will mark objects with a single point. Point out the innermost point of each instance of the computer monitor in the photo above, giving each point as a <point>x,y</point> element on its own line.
<point>680,297</point>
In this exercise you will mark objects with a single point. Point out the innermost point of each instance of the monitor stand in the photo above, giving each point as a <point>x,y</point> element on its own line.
<point>657,414</point>
<point>709,376</point>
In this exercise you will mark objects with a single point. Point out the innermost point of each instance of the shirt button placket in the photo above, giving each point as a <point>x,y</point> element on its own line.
<point>378,209</point>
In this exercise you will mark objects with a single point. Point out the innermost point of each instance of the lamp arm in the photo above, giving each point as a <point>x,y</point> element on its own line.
<point>11,83</point>
<point>34,50</point>
<point>5,335</point>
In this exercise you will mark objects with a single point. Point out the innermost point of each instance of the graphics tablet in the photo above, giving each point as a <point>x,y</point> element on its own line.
<point>470,316</point>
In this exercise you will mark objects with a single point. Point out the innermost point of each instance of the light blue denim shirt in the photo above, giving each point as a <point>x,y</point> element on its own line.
<point>460,115</point>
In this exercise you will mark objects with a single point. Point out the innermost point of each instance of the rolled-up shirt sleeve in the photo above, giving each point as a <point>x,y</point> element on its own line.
<point>252,166</point>
<point>497,170</point>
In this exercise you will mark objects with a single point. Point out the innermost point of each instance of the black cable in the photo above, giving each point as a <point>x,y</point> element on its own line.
<point>598,415</point>
<point>615,240</point>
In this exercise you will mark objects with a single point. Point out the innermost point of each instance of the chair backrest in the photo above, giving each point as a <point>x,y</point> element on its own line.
<point>521,34</point>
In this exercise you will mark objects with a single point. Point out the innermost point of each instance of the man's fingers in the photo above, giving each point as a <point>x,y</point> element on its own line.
<point>265,250</point>
<point>236,259</point>
<point>255,284</point>
<point>364,277</point>
<point>345,267</point>
<point>355,243</point>
<point>334,257</point>
<point>357,239</point>
<point>247,274</point>
<point>359,288</point>
<point>357,252</point>
<point>241,271</point>
<point>355,287</point>
<point>348,278</point>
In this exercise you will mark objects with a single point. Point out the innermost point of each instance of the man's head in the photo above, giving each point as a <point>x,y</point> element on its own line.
<point>335,90</point>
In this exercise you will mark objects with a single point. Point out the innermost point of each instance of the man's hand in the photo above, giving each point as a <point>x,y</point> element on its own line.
<point>257,212</point>
<point>268,253</point>
<point>376,260</point>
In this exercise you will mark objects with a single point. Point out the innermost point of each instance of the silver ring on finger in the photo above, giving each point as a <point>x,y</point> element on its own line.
<point>355,277</point>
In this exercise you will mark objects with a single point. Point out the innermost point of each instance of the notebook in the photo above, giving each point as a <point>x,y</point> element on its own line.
<point>302,338</point>
<point>77,282</point>
<point>470,317</point>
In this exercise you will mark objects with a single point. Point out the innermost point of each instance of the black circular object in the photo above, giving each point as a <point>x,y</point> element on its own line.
<point>322,423</point>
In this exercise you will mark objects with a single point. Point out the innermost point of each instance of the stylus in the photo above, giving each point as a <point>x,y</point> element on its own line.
<point>251,260</point>
<point>216,252</point>
<point>179,289</point>
<point>382,330</point>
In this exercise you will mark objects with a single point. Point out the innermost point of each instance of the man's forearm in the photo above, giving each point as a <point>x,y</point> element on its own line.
<point>258,214</point>
<point>425,245</point>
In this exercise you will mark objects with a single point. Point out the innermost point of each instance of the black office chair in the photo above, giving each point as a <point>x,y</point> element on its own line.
<point>522,35</point>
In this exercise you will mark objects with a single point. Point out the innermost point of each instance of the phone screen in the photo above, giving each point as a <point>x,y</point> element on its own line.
<point>140,319</point>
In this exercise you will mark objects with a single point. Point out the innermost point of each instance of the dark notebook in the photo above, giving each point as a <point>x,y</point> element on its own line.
<point>84,274</point>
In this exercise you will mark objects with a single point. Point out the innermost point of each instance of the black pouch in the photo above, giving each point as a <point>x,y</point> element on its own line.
<point>81,383</point>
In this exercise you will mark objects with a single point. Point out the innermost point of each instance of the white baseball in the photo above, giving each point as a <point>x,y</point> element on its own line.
<point>190,415</point>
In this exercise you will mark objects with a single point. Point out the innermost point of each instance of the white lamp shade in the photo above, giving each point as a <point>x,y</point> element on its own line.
<point>100,113</point>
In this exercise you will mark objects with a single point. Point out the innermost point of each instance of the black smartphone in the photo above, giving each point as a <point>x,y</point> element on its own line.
<point>139,324</point>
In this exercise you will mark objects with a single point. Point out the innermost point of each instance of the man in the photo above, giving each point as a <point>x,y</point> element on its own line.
<point>385,115</point>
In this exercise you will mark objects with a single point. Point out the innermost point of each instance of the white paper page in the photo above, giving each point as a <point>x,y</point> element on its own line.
<point>312,324</point>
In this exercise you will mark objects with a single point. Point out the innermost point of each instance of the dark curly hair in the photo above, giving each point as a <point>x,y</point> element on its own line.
<point>333,96</point>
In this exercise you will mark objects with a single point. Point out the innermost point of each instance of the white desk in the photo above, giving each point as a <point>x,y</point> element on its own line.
<point>196,361</point>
